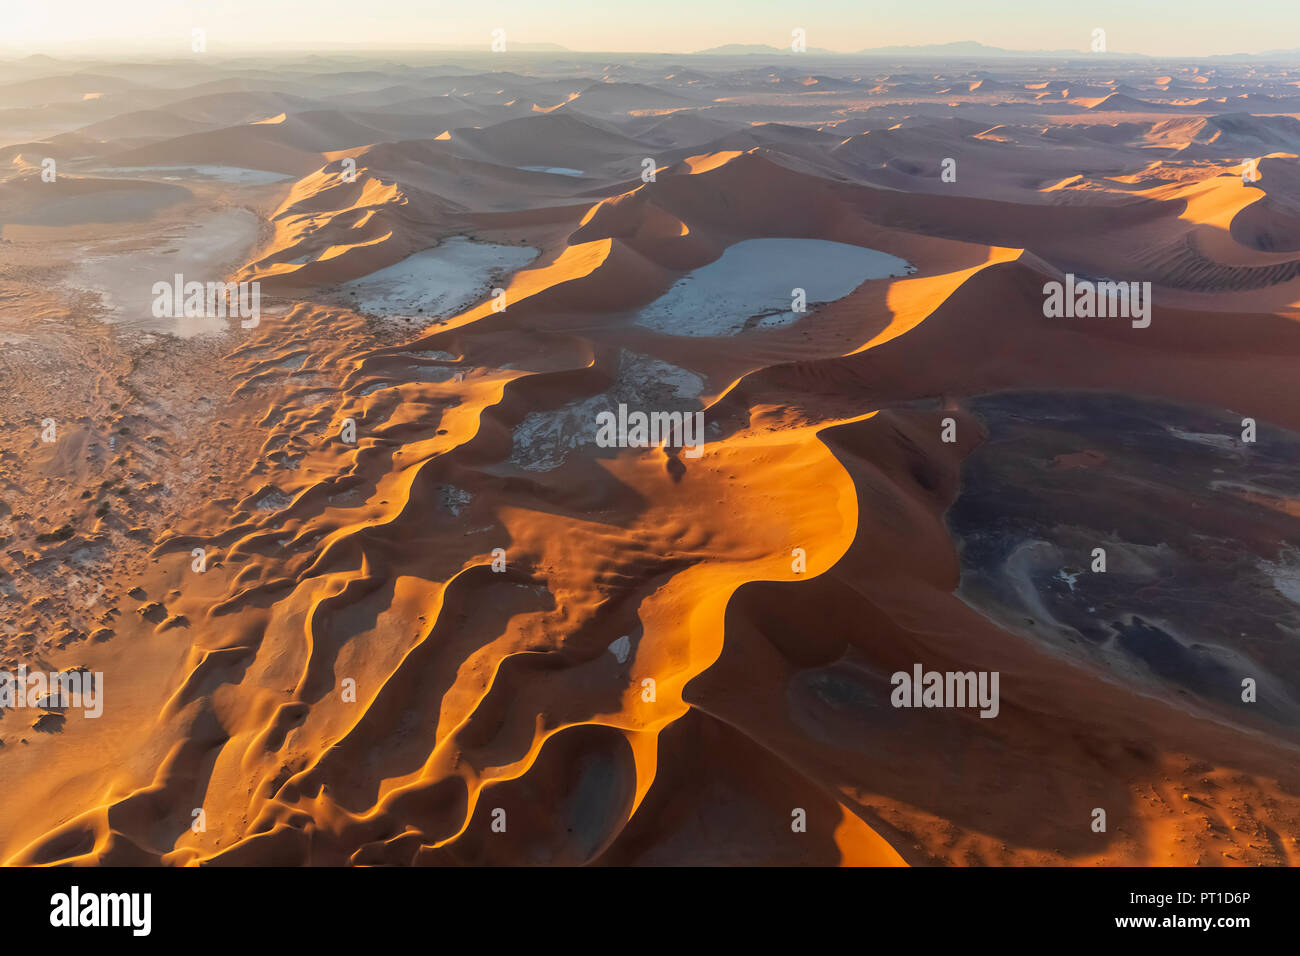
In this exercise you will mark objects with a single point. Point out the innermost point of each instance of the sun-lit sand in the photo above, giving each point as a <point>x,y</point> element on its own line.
<point>361,580</point>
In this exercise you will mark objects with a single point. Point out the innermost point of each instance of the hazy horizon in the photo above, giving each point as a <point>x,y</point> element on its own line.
<point>1140,27</point>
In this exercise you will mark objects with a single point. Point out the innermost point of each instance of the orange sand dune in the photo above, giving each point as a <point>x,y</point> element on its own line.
<point>437,623</point>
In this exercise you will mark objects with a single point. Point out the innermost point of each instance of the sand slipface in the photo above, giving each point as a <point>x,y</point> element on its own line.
<point>367,584</point>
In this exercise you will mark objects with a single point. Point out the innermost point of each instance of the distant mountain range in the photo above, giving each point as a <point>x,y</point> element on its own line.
<point>972,48</point>
<point>958,48</point>
<point>758,49</point>
<point>1291,54</point>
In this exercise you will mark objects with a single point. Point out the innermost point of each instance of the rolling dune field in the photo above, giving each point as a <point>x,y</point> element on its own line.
<point>603,446</point>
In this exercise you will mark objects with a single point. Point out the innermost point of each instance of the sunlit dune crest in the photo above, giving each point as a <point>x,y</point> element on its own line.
<point>370,583</point>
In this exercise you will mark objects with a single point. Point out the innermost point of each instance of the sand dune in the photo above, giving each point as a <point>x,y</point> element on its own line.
<point>616,98</point>
<point>432,600</point>
<point>277,143</point>
<point>558,139</point>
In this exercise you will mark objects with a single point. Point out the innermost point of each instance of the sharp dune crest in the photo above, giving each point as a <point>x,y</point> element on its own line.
<point>432,599</point>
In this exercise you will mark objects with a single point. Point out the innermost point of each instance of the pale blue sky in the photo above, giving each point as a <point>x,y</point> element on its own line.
<point>1157,27</point>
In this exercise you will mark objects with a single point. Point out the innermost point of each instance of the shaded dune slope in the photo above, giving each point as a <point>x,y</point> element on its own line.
<point>478,690</point>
